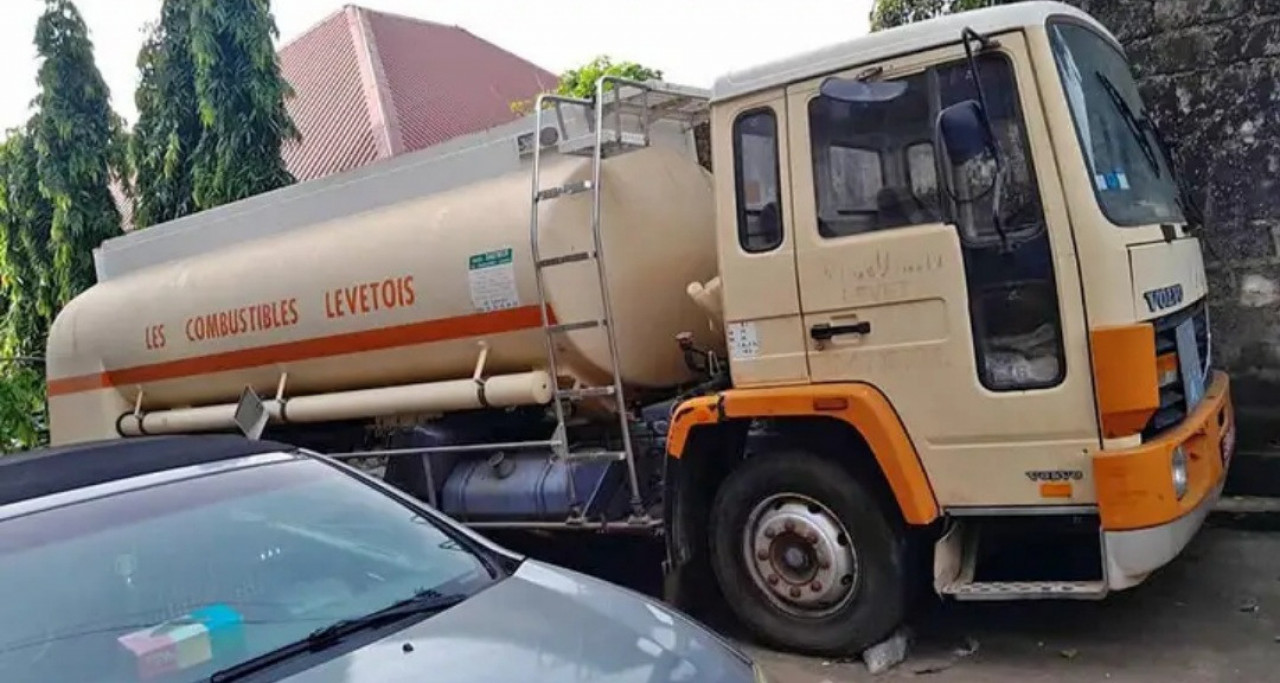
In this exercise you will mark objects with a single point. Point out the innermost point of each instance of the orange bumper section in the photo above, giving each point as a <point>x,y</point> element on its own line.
<point>1135,486</point>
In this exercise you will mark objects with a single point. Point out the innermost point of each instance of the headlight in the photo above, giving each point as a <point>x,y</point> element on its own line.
<point>1179,468</point>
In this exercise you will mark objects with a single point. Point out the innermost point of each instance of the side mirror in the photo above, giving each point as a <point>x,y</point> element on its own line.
<point>965,132</point>
<point>974,167</point>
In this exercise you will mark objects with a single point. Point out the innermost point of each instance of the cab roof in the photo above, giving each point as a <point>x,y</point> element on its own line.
<point>874,47</point>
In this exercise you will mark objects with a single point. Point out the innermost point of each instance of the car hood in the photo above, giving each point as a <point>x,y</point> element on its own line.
<point>544,623</point>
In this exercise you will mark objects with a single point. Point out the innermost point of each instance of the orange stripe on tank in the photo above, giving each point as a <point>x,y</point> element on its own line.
<point>380,339</point>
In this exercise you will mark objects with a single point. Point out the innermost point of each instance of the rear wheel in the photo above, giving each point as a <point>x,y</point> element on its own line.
<point>805,555</point>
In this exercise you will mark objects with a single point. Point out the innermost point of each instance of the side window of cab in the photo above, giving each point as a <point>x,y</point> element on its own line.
<point>757,180</point>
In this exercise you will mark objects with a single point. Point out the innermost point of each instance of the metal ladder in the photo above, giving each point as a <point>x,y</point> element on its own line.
<point>649,102</point>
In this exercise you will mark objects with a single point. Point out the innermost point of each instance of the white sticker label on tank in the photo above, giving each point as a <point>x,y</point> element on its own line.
<point>744,342</point>
<point>492,277</point>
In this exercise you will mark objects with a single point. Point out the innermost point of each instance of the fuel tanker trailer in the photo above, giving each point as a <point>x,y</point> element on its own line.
<point>923,318</point>
<point>426,306</point>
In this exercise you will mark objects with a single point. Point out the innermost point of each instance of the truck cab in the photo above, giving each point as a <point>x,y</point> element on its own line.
<point>965,302</point>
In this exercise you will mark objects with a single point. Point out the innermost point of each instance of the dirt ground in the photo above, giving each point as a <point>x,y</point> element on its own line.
<point>1213,615</point>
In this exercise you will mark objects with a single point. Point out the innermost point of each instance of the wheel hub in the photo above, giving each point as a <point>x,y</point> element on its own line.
<point>800,555</point>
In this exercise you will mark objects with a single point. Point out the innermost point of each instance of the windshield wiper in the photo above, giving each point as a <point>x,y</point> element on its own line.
<point>422,603</point>
<point>1135,125</point>
<point>1186,201</point>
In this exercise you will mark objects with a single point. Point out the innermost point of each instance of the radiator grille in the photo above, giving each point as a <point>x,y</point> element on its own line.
<point>1173,399</point>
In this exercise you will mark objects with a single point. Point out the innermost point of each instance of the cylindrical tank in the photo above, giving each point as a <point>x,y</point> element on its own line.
<point>404,294</point>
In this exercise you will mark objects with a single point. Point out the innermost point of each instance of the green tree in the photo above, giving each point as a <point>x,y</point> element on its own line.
<point>26,260</point>
<point>23,424</point>
<point>581,82</point>
<point>78,141</point>
<point>240,95</point>
<point>162,147</point>
<point>26,290</point>
<point>890,13</point>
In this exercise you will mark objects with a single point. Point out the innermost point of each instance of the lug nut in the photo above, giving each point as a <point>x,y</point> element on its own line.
<point>789,525</point>
<point>770,532</point>
<point>823,564</point>
<point>812,537</point>
<point>773,579</point>
<point>816,586</point>
<point>795,592</point>
<point>762,555</point>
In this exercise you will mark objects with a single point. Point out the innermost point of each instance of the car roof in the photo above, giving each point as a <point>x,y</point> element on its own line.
<point>49,471</point>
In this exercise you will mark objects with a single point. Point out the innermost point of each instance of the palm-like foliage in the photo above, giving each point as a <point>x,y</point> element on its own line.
<point>240,95</point>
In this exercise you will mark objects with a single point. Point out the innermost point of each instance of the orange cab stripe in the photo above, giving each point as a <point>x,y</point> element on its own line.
<point>380,339</point>
<point>860,405</point>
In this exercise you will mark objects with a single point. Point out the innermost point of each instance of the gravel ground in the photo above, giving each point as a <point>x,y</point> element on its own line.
<point>1213,615</point>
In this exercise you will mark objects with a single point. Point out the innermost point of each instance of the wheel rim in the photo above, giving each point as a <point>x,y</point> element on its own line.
<point>800,555</point>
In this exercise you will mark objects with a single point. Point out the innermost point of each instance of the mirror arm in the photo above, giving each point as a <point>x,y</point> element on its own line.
<point>969,37</point>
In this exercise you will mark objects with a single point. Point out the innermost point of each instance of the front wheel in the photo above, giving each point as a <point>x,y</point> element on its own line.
<point>805,556</point>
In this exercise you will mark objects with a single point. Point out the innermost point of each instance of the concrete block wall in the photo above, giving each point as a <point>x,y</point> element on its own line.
<point>1210,73</point>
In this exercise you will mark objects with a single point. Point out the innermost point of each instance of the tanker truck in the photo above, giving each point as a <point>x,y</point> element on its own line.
<point>936,321</point>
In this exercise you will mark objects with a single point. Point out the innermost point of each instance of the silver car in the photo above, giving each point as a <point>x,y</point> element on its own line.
<point>222,559</point>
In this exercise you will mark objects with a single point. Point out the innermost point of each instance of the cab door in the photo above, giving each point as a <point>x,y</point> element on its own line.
<point>757,242</point>
<point>978,341</point>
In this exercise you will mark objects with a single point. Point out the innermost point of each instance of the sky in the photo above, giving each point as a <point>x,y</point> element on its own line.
<point>691,41</point>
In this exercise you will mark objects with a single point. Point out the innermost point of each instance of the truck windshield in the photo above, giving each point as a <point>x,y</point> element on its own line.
<point>1124,154</point>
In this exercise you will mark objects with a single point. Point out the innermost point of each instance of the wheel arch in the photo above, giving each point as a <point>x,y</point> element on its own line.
<point>817,416</point>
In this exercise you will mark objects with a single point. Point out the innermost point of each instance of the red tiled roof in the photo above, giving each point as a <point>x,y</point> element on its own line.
<point>445,82</point>
<point>330,104</point>
<point>371,85</point>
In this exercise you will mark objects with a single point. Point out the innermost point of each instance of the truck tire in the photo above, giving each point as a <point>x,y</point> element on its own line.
<point>805,556</point>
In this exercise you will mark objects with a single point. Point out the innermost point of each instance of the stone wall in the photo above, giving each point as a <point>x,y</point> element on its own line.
<point>1210,72</point>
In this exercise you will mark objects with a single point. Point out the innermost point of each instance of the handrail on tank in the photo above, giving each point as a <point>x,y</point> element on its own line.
<point>618,82</point>
<point>606,301</point>
<point>560,444</point>
<point>597,105</point>
<point>653,87</point>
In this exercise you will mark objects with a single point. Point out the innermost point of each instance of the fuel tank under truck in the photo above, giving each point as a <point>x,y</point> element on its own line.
<point>388,312</point>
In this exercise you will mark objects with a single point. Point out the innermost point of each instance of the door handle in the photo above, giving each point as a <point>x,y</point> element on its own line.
<point>826,331</point>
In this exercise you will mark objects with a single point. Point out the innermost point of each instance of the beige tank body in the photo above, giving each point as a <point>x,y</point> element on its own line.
<point>401,295</point>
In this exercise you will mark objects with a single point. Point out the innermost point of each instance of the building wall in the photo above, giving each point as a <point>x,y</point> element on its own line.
<point>1210,73</point>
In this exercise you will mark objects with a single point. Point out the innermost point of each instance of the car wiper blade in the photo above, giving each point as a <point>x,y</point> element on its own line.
<point>422,603</point>
<point>425,602</point>
<point>1131,120</point>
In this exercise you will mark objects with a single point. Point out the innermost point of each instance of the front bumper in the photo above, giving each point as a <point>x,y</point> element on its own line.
<point>1144,523</point>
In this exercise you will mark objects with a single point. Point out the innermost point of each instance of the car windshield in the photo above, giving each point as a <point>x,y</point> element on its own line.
<point>172,582</point>
<point>1124,155</point>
